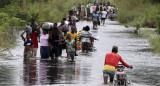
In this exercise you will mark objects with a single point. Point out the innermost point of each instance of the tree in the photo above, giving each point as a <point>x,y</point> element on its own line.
<point>5,2</point>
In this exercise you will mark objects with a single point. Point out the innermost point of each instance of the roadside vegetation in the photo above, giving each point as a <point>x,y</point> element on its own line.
<point>141,13</point>
<point>15,14</point>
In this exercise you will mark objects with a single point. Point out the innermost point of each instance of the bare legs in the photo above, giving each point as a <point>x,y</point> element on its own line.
<point>105,80</point>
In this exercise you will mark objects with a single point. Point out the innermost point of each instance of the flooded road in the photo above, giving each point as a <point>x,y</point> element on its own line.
<point>87,68</point>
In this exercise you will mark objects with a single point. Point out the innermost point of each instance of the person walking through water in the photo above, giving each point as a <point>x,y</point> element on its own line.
<point>111,63</point>
<point>73,36</point>
<point>34,36</point>
<point>54,39</point>
<point>79,11</point>
<point>33,23</point>
<point>82,12</point>
<point>74,9</point>
<point>95,19</point>
<point>70,47</point>
<point>104,16</point>
<point>44,41</point>
<point>28,43</point>
<point>87,39</point>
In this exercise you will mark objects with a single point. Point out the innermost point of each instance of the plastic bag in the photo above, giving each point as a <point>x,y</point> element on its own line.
<point>28,29</point>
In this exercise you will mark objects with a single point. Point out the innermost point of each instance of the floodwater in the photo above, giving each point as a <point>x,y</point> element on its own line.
<point>87,68</point>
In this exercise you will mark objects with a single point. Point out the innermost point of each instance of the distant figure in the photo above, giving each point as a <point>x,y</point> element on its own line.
<point>108,3</point>
<point>74,9</point>
<point>33,23</point>
<point>82,11</point>
<point>104,16</point>
<point>79,10</point>
<point>97,8</point>
<point>95,19</point>
<point>71,12</point>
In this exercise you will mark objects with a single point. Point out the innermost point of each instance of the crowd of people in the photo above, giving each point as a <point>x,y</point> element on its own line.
<point>94,11</point>
<point>53,38</point>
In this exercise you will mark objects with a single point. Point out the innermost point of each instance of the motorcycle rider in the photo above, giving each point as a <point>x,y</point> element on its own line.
<point>111,63</point>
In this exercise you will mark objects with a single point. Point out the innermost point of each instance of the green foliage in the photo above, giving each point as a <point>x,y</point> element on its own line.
<point>17,13</point>
<point>137,25</point>
<point>5,2</point>
<point>3,18</point>
<point>155,41</point>
<point>16,22</point>
<point>158,24</point>
<point>131,11</point>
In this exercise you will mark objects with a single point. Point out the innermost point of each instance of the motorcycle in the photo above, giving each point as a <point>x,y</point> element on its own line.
<point>92,48</point>
<point>121,77</point>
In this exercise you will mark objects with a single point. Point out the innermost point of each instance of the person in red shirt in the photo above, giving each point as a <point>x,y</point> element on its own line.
<point>34,38</point>
<point>111,64</point>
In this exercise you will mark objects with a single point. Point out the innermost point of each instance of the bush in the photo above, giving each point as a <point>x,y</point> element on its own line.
<point>158,24</point>
<point>13,16</point>
<point>3,18</point>
<point>131,11</point>
<point>155,41</point>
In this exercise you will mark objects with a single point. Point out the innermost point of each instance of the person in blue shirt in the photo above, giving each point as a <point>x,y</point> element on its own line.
<point>95,19</point>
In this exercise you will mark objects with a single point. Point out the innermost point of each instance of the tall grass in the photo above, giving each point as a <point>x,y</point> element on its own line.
<point>52,11</point>
<point>155,42</point>
<point>143,13</point>
<point>132,11</point>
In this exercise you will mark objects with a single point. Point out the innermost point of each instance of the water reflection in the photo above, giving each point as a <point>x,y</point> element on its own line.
<point>88,68</point>
<point>30,74</point>
<point>43,72</point>
<point>69,72</point>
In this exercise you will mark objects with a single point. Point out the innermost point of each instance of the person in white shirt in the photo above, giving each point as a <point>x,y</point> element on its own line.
<point>74,9</point>
<point>86,39</point>
<point>104,16</point>
<point>44,43</point>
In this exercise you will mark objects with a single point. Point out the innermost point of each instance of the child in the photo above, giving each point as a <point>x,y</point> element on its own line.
<point>28,43</point>
<point>70,47</point>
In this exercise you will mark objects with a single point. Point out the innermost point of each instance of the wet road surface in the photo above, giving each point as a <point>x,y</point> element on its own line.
<point>87,68</point>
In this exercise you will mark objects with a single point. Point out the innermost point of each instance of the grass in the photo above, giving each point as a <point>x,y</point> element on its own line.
<point>131,11</point>
<point>14,17</point>
<point>147,32</point>
<point>155,42</point>
<point>146,13</point>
